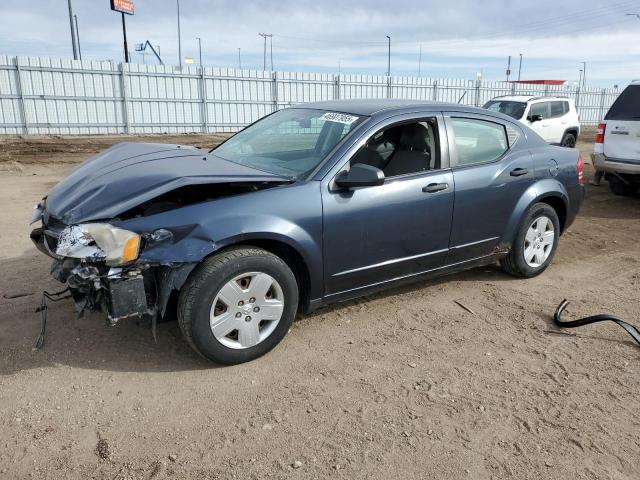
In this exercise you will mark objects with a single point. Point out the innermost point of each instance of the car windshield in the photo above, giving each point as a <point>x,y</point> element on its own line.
<point>290,142</point>
<point>508,107</point>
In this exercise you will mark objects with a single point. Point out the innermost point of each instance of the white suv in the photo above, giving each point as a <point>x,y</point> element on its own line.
<point>555,119</point>
<point>617,147</point>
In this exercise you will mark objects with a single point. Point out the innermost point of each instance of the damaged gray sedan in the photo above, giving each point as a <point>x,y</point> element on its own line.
<point>308,206</point>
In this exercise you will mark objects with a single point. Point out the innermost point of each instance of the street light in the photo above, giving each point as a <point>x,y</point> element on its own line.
<point>200,50</point>
<point>179,37</point>
<point>389,57</point>
<point>520,67</point>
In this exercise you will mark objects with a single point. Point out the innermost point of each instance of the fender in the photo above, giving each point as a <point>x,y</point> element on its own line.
<point>199,230</point>
<point>544,188</point>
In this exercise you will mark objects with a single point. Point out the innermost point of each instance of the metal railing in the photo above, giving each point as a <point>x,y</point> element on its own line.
<point>55,96</point>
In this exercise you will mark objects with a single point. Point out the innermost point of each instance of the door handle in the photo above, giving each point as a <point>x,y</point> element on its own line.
<point>518,172</point>
<point>435,187</point>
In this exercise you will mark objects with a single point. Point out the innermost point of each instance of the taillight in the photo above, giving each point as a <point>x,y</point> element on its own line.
<point>580,166</point>
<point>600,134</point>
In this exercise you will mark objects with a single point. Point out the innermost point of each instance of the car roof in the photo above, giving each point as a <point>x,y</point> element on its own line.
<point>529,98</point>
<point>370,107</point>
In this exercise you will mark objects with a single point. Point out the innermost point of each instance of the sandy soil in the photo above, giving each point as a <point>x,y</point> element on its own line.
<point>404,384</point>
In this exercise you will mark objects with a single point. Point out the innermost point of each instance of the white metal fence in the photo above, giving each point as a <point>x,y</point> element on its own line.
<point>55,96</point>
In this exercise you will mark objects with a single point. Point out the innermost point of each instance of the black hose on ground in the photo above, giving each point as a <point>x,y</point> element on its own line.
<point>631,329</point>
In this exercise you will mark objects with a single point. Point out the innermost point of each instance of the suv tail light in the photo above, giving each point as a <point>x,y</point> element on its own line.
<point>600,135</point>
<point>580,166</point>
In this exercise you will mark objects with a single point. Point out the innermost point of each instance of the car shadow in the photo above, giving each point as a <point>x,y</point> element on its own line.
<point>87,342</point>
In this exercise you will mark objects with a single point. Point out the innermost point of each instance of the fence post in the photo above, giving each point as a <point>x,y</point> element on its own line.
<point>478,92</point>
<point>20,92</point>
<point>274,90</point>
<point>125,101</point>
<point>601,110</point>
<point>336,88</point>
<point>203,97</point>
<point>435,90</point>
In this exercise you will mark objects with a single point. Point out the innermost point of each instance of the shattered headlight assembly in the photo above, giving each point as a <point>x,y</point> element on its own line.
<point>99,241</point>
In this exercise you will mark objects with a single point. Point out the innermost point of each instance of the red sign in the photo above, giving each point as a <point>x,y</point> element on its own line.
<point>124,6</point>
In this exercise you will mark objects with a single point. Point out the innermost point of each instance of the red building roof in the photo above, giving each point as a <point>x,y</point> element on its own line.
<point>541,82</point>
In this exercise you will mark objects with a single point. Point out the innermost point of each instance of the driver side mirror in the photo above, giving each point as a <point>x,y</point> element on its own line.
<point>534,118</point>
<point>360,175</point>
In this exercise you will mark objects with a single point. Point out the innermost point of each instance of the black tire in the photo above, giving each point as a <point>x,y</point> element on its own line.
<point>619,187</point>
<point>202,287</point>
<point>568,140</point>
<point>514,263</point>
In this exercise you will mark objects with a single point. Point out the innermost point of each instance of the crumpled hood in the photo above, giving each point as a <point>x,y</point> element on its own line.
<point>129,174</point>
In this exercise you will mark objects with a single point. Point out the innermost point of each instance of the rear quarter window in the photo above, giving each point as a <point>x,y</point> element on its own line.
<point>627,105</point>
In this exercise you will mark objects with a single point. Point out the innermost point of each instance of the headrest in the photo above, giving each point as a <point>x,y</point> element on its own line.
<point>414,137</point>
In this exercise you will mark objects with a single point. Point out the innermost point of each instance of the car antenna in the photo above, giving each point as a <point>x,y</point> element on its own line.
<point>463,95</point>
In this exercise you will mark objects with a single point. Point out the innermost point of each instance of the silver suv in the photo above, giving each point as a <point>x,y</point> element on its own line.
<point>617,147</point>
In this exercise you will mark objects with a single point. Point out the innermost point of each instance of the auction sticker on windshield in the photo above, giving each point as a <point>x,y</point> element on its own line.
<point>339,118</point>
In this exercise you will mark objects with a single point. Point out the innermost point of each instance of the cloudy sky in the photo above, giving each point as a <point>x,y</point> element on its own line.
<point>459,38</point>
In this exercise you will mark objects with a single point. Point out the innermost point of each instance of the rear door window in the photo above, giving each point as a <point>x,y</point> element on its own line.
<point>478,141</point>
<point>540,108</point>
<point>557,109</point>
<point>627,106</point>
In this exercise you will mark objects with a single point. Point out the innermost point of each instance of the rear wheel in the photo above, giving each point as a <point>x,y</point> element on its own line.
<point>535,244</point>
<point>238,305</point>
<point>568,140</point>
<point>620,187</point>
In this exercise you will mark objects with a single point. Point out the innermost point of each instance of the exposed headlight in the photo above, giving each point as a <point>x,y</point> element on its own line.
<point>99,241</point>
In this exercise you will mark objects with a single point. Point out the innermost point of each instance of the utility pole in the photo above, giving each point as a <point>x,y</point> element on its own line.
<point>271,50</point>
<point>584,74</point>
<point>239,60</point>
<point>73,34</point>
<point>420,61</point>
<point>520,67</point>
<point>75,18</point>
<point>508,67</point>
<point>179,37</point>
<point>389,57</point>
<point>264,52</point>
<point>200,50</point>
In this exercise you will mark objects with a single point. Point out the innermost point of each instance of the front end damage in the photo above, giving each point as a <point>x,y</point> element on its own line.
<point>125,227</point>
<point>135,289</point>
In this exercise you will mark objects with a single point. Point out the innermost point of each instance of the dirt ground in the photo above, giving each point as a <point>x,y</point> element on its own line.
<point>404,384</point>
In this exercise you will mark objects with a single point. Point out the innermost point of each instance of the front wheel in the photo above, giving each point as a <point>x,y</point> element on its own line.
<point>238,305</point>
<point>536,242</point>
<point>568,140</point>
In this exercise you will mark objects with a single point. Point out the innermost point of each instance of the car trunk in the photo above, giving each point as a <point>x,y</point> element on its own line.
<point>622,134</point>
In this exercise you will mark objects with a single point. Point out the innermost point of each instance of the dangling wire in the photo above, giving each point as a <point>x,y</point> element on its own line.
<point>53,297</point>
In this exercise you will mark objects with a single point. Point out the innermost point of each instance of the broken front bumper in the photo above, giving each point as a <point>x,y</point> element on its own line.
<point>132,291</point>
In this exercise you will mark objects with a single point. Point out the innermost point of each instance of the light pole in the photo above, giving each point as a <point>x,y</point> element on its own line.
<point>584,74</point>
<point>520,67</point>
<point>389,57</point>
<point>75,18</point>
<point>420,61</point>
<point>73,34</point>
<point>179,37</point>
<point>200,50</point>
<point>239,60</point>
